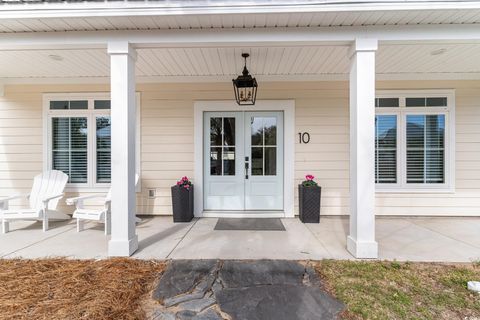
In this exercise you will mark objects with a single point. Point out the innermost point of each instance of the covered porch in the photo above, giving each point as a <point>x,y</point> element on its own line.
<point>349,59</point>
<point>400,238</point>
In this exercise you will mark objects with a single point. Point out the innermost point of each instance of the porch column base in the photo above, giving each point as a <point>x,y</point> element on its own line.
<point>122,248</point>
<point>362,249</point>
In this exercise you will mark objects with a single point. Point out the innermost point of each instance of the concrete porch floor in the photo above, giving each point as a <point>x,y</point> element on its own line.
<point>400,238</point>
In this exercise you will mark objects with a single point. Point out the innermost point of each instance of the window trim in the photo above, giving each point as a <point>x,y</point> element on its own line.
<point>401,112</point>
<point>90,114</point>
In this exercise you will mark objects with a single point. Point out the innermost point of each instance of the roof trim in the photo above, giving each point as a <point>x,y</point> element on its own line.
<point>66,9</point>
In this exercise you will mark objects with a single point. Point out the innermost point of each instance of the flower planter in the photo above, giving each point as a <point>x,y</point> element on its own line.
<point>309,203</point>
<point>182,204</point>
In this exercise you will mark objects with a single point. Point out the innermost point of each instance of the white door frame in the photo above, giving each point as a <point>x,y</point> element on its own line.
<point>288,108</point>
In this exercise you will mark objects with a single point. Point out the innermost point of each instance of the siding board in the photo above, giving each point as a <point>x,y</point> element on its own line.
<point>167,142</point>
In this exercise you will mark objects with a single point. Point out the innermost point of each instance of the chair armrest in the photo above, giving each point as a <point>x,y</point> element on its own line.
<point>46,199</point>
<point>72,201</point>
<point>17,196</point>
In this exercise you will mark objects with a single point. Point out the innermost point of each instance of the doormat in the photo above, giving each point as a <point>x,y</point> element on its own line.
<point>250,224</point>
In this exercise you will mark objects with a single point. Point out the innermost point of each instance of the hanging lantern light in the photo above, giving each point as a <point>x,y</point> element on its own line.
<point>245,86</point>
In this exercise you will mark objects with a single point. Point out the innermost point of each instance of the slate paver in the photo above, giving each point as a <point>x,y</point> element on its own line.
<point>236,274</point>
<point>182,276</point>
<point>244,290</point>
<point>281,302</point>
<point>208,314</point>
<point>197,305</point>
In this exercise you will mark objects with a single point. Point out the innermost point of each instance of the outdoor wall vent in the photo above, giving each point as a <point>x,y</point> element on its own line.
<point>151,193</point>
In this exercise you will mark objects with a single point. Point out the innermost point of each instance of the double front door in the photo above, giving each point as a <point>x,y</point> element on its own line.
<point>243,157</point>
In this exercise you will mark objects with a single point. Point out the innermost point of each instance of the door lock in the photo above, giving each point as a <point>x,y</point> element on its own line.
<point>246,167</point>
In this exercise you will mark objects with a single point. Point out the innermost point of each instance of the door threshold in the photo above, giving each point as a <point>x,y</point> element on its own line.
<point>243,214</point>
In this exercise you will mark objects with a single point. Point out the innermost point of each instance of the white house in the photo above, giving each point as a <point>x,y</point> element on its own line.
<point>379,100</point>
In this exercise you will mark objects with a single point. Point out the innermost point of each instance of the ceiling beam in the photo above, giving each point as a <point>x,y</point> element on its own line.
<point>255,37</point>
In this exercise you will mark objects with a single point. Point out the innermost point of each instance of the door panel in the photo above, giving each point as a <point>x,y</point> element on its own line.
<point>264,149</point>
<point>243,156</point>
<point>224,154</point>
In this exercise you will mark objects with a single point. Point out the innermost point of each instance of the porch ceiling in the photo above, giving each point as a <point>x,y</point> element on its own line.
<point>417,61</point>
<point>381,16</point>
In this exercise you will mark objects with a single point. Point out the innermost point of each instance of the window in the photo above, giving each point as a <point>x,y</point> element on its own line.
<point>414,140</point>
<point>386,149</point>
<point>70,147</point>
<point>78,137</point>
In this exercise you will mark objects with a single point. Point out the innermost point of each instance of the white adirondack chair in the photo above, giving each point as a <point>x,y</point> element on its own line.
<point>46,191</point>
<point>101,215</point>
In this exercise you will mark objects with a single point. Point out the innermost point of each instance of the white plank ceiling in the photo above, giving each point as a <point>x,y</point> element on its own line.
<point>282,63</point>
<point>318,19</point>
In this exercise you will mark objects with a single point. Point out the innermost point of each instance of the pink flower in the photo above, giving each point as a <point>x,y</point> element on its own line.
<point>309,177</point>
<point>179,183</point>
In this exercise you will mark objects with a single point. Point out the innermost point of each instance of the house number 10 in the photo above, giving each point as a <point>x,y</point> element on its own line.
<point>304,137</point>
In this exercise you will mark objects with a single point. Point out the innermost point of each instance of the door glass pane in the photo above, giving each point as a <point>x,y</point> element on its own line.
<point>216,161</point>
<point>270,127</point>
<point>257,131</point>
<point>270,161</point>
<point>215,131</point>
<point>229,161</point>
<point>257,161</point>
<point>228,131</point>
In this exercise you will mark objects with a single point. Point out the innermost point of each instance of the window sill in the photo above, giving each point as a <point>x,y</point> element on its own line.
<point>416,190</point>
<point>94,189</point>
<point>87,189</point>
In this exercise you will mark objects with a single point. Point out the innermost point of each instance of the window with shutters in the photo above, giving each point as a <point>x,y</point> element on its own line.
<point>78,138</point>
<point>414,140</point>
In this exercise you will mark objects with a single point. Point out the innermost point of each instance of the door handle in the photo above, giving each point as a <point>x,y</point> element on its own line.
<point>246,167</point>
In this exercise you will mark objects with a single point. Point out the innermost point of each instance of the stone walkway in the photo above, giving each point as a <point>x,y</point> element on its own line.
<point>241,290</point>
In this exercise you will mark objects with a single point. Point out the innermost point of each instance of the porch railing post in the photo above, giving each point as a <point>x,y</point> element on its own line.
<point>124,241</point>
<point>361,240</point>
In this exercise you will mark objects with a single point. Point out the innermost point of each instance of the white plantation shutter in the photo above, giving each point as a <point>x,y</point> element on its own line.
<point>426,149</point>
<point>386,149</point>
<point>69,147</point>
<point>103,149</point>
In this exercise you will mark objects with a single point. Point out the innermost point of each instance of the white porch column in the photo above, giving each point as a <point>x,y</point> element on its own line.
<point>361,241</point>
<point>124,240</point>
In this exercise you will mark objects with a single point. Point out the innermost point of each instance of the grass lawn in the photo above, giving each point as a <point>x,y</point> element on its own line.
<point>119,288</point>
<point>392,290</point>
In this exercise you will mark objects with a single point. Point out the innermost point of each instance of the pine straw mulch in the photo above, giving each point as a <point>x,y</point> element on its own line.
<point>76,289</point>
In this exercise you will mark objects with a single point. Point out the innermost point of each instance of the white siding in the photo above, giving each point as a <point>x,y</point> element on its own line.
<point>167,141</point>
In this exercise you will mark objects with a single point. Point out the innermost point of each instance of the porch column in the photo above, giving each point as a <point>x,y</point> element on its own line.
<point>361,241</point>
<point>124,240</point>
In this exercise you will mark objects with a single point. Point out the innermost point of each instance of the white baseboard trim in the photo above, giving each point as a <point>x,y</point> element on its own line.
<point>362,249</point>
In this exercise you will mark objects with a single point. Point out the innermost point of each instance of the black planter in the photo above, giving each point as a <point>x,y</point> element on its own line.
<point>309,203</point>
<point>182,203</point>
